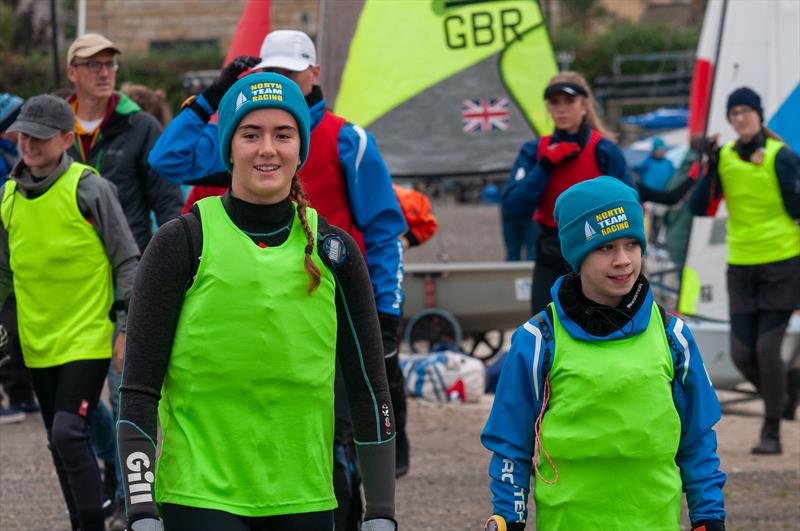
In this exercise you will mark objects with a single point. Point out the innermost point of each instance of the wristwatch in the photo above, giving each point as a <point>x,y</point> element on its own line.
<point>192,104</point>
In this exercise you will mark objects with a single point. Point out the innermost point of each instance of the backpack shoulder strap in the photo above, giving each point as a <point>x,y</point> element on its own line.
<point>544,324</point>
<point>676,350</point>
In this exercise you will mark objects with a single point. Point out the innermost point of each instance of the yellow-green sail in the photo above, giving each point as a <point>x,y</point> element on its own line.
<point>446,86</point>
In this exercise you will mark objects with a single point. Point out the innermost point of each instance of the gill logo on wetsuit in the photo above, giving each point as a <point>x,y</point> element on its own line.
<point>140,485</point>
<point>387,421</point>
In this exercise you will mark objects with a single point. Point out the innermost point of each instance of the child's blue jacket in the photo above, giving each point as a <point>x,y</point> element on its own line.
<point>509,431</point>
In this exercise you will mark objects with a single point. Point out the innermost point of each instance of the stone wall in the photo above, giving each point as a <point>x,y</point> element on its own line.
<point>135,25</point>
<point>141,26</point>
<point>301,15</point>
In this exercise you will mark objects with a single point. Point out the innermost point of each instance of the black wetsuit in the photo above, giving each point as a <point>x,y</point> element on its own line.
<point>167,270</point>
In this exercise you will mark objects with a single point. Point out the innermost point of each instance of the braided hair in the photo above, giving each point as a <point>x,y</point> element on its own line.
<point>299,197</point>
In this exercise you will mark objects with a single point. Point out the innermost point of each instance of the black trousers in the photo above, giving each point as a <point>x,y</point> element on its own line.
<point>14,375</point>
<point>67,395</point>
<point>182,518</point>
<point>761,300</point>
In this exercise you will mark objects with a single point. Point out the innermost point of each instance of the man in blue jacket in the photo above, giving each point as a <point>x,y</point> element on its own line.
<point>344,178</point>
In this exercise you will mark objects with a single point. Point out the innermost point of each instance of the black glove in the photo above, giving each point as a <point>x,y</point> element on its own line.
<point>227,77</point>
<point>116,307</point>
<point>390,330</point>
<point>711,149</point>
<point>709,525</point>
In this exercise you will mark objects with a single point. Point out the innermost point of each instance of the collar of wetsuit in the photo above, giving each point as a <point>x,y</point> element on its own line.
<point>259,219</point>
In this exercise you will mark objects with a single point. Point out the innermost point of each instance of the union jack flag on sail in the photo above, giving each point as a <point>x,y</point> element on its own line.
<point>484,115</point>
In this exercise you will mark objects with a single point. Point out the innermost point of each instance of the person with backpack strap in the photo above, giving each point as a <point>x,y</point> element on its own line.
<point>241,310</point>
<point>604,399</point>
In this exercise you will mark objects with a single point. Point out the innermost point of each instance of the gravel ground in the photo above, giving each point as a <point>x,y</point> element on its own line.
<point>447,488</point>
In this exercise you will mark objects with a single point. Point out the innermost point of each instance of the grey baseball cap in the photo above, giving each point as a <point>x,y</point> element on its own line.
<point>44,117</point>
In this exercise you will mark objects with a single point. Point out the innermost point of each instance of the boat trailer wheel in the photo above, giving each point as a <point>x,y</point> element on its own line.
<point>492,340</point>
<point>431,328</point>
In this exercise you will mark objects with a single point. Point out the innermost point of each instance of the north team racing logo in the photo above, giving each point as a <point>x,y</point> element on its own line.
<point>610,221</point>
<point>269,91</point>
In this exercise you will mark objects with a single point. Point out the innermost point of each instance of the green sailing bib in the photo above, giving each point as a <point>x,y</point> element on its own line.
<point>247,404</point>
<point>612,431</point>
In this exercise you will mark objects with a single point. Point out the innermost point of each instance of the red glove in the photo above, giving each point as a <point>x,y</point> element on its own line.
<point>558,153</point>
<point>694,170</point>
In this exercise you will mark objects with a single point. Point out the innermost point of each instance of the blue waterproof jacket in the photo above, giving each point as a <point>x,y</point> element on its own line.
<point>655,173</point>
<point>509,431</point>
<point>188,151</point>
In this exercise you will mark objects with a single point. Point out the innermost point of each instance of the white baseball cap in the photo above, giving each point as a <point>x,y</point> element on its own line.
<point>289,49</point>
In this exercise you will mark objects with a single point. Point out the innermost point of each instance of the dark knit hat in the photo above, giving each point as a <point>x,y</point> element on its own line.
<point>745,96</point>
<point>259,91</point>
<point>594,212</point>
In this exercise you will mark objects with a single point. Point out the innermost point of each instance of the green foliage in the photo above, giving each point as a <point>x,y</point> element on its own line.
<point>6,26</point>
<point>165,70</point>
<point>594,52</point>
<point>583,12</point>
<point>25,76</point>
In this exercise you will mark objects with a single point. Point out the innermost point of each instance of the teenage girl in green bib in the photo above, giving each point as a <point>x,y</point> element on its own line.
<point>604,398</point>
<point>241,309</point>
<point>759,178</point>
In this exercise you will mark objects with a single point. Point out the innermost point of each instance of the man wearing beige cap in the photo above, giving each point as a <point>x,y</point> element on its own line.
<point>113,135</point>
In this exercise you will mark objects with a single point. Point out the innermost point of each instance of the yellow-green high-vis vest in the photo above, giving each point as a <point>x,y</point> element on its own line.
<point>760,230</point>
<point>62,275</point>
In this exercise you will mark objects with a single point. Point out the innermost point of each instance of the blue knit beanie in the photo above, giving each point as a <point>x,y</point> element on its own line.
<point>658,143</point>
<point>595,212</point>
<point>745,96</point>
<point>9,109</point>
<point>259,91</point>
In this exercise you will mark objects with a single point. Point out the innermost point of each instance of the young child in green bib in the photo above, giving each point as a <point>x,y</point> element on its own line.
<point>65,249</point>
<point>241,309</point>
<point>604,398</point>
